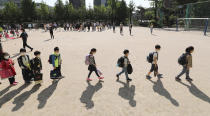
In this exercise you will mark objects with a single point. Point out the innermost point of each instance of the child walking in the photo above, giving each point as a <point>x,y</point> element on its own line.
<point>153,59</point>
<point>36,65</point>
<point>186,61</point>
<point>123,62</point>
<point>8,70</point>
<point>92,65</point>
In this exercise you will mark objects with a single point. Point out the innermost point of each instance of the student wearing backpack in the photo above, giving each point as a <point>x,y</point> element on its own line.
<point>24,37</point>
<point>24,63</point>
<point>56,61</point>
<point>123,62</point>
<point>90,60</point>
<point>153,59</point>
<point>186,61</point>
<point>36,65</point>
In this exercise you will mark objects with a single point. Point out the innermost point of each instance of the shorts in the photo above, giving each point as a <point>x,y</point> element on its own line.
<point>154,68</point>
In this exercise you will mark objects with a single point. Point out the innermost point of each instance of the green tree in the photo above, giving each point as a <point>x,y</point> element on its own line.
<point>121,12</point>
<point>28,8</point>
<point>11,12</point>
<point>131,9</point>
<point>43,12</point>
<point>113,5</point>
<point>69,9</point>
<point>59,10</point>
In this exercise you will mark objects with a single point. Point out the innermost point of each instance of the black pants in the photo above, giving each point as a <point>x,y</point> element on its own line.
<point>121,30</point>
<point>130,31</point>
<point>25,44</point>
<point>52,35</point>
<point>58,71</point>
<point>92,68</point>
<point>11,80</point>
<point>27,75</point>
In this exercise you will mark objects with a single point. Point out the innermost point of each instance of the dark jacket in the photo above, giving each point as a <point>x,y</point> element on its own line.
<point>22,64</point>
<point>36,64</point>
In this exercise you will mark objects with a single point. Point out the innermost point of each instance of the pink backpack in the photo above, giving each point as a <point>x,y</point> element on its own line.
<point>87,61</point>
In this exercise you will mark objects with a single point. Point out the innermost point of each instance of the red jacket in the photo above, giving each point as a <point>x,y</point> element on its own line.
<point>7,69</point>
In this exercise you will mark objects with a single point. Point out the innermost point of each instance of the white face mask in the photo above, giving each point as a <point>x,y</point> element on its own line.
<point>6,57</point>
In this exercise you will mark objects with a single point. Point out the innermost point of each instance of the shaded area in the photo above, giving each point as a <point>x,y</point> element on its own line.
<point>48,40</point>
<point>159,89</point>
<point>5,90</point>
<point>127,92</point>
<point>19,101</point>
<point>46,94</point>
<point>7,97</point>
<point>87,95</point>
<point>196,92</point>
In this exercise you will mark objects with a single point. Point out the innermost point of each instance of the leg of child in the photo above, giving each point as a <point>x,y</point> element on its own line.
<point>184,70</point>
<point>11,80</point>
<point>121,72</point>
<point>90,73</point>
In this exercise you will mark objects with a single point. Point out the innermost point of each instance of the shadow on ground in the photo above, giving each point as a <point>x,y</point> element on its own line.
<point>5,90</point>
<point>48,40</point>
<point>87,95</point>
<point>127,92</point>
<point>159,89</point>
<point>7,97</point>
<point>196,92</point>
<point>46,94</point>
<point>19,101</point>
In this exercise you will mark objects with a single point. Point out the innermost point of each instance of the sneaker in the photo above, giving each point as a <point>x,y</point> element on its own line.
<point>100,78</point>
<point>129,79</point>
<point>189,79</point>
<point>15,83</point>
<point>177,79</point>
<point>160,75</point>
<point>88,79</point>
<point>148,77</point>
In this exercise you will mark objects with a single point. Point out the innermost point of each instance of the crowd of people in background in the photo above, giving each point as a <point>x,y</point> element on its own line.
<point>31,68</point>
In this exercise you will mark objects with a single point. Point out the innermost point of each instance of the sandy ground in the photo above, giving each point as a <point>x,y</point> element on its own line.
<point>73,96</point>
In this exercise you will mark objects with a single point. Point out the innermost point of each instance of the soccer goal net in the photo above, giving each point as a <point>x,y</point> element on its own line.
<point>194,16</point>
<point>190,24</point>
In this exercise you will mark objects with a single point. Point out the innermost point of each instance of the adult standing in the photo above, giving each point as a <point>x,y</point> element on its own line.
<point>51,32</point>
<point>24,37</point>
<point>121,28</point>
<point>130,28</point>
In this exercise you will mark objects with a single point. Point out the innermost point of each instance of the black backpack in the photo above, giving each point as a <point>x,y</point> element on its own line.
<point>50,59</point>
<point>120,62</point>
<point>182,59</point>
<point>150,57</point>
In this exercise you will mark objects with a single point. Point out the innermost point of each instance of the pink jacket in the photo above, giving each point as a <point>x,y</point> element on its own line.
<point>7,69</point>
